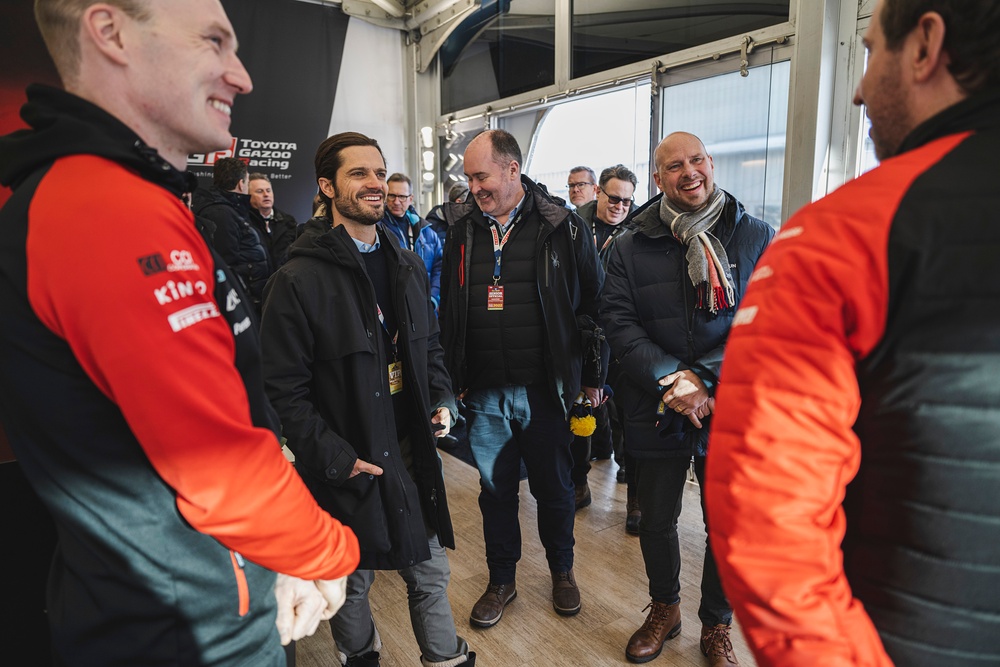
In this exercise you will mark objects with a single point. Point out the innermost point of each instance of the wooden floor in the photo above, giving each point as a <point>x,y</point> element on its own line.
<point>608,568</point>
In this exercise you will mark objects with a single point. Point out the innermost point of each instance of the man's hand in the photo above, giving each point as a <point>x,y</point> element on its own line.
<point>686,395</point>
<point>594,395</point>
<point>301,606</point>
<point>707,408</point>
<point>365,467</point>
<point>442,416</point>
<point>335,593</point>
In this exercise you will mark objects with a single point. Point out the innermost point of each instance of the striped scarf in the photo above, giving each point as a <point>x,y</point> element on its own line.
<point>708,264</point>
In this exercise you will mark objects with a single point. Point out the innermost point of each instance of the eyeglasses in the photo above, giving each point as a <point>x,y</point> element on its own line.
<point>577,186</point>
<point>614,201</point>
<point>392,197</point>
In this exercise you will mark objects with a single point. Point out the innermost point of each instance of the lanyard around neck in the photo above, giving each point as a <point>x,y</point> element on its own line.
<point>393,336</point>
<point>498,244</point>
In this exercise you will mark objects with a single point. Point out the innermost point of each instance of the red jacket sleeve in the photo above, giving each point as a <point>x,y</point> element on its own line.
<point>156,346</point>
<point>782,449</point>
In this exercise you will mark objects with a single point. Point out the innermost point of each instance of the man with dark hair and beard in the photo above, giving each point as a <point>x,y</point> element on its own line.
<point>355,370</point>
<point>855,460</point>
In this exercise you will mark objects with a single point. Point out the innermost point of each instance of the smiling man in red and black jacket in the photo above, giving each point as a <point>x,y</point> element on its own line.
<point>130,377</point>
<point>855,457</point>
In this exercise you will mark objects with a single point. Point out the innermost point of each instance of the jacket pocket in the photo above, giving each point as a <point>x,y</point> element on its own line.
<point>357,502</point>
<point>242,588</point>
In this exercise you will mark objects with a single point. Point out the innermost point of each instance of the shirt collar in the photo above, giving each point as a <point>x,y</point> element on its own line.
<point>365,248</point>
<point>513,212</point>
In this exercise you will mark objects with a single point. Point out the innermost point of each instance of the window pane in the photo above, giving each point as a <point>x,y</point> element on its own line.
<point>504,48</point>
<point>596,132</point>
<point>742,121</point>
<point>867,160</point>
<point>611,33</point>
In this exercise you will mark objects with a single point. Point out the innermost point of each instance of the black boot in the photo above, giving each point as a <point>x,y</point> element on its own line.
<point>369,659</point>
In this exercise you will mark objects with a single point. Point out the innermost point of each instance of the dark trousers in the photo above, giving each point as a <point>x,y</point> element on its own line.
<point>508,425</point>
<point>660,485</point>
<point>606,440</point>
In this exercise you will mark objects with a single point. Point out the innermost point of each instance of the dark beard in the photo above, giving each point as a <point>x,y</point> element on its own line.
<point>349,208</point>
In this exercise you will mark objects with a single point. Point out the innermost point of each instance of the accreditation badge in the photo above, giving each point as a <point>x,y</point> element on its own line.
<point>494,297</point>
<point>395,377</point>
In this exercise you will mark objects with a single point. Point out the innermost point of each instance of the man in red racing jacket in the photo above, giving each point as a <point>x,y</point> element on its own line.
<point>854,465</point>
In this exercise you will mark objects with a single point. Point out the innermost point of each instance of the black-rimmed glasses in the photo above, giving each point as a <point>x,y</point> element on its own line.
<point>576,186</point>
<point>392,197</point>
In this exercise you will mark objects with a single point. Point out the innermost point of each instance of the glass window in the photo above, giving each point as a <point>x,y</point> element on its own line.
<point>598,132</point>
<point>867,160</point>
<point>742,122</point>
<point>504,48</point>
<point>611,33</point>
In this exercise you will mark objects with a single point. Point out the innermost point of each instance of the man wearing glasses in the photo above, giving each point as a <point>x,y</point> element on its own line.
<point>414,233</point>
<point>674,281</point>
<point>582,185</point>
<point>604,216</point>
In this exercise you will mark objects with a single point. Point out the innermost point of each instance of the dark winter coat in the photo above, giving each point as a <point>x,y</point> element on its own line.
<point>279,240</point>
<point>648,313</point>
<point>325,371</point>
<point>569,282</point>
<point>234,238</point>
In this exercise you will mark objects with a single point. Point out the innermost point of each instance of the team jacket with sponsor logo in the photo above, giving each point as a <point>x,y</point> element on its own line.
<point>854,468</point>
<point>131,391</point>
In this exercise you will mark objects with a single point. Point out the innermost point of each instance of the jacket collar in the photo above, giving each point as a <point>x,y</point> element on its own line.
<point>536,198</point>
<point>63,124</point>
<point>978,112</point>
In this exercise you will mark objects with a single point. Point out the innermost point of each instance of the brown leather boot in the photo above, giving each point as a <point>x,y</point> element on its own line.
<point>663,623</point>
<point>489,608</point>
<point>565,594</point>
<point>716,646</point>
<point>582,496</point>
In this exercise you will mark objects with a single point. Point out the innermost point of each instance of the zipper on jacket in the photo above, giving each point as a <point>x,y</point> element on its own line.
<point>547,248</point>
<point>242,588</point>
<point>461,267</point>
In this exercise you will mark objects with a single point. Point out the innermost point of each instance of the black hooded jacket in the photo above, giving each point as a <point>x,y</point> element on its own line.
<point>326,373</point>
<point>234,238</point>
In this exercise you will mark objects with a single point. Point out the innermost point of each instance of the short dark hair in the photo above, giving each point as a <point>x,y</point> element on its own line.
<point>590,172</point>
<point>619,171</point>
<point>228,172</point>
<point>400,178</point>
<point>328,158</point>
<point>505,147</point>
<point>257,176</point>
<point>970,38</point>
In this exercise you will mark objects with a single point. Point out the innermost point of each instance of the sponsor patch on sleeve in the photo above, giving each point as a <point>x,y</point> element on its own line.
<point>186,317</point>
<point>152,264</point>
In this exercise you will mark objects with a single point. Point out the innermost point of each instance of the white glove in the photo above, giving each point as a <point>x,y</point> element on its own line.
<point>335,593</point>
<point>301,606</point>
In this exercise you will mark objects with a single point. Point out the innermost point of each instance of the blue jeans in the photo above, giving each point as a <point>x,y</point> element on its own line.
<point>660,486</point>
<point>508,425</point>
<point>430,612</point>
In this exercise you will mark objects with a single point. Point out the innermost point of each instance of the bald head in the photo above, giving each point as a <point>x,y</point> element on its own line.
<point>493,169</point>
<point>685,172</point>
